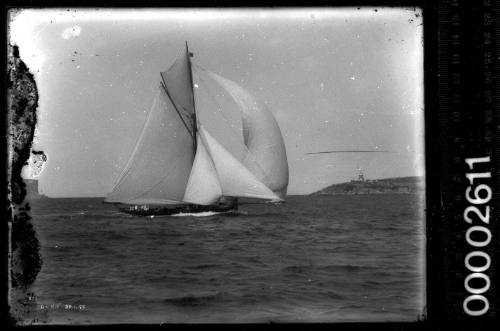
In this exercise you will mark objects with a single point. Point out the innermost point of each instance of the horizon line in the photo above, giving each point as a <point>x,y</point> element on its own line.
<point>347,151</point>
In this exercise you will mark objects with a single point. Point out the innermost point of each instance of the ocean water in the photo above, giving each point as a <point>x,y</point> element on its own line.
<point>349,258</point>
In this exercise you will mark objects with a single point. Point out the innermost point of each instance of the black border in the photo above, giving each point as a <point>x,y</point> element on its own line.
<point>441,262</point>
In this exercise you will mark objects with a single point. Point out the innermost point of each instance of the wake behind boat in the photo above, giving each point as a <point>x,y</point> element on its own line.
<point>206,142</point>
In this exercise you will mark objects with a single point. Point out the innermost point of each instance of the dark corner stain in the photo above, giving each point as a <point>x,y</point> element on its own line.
<point>25,261</point>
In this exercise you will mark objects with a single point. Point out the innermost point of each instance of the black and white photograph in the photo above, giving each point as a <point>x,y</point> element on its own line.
<point>217,165</point>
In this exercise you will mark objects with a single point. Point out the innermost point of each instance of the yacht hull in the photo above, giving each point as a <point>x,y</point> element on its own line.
<point>177,209</point>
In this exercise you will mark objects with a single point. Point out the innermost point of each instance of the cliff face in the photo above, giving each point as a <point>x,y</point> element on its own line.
<point>398,185</point>
<point>25,261</point>
<point>32,192</point>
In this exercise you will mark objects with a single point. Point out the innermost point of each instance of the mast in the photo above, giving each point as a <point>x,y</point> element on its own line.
<point>195,125</point>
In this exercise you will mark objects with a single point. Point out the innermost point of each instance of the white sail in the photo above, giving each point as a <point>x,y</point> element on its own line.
<point>219,114</point>
<point>246,159</point>
<point>177,80</point>
<point>159,168</point>
<point>203,187</point>
<point>266,157</point>
<point>235,179</point>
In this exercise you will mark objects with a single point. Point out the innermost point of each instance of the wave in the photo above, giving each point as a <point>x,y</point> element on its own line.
<point>204,266</point>
<point>193,300</point>
<point>339,267</point>
<point>345,267</point>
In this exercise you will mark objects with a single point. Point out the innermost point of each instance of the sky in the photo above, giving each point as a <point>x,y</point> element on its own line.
<point>334,78</point>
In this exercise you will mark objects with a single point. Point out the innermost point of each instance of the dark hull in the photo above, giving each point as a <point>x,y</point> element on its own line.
<point>171,210</point>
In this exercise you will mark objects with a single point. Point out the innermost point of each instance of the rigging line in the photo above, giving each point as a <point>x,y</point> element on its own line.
<point>177,110</point>
<point>195,121</point>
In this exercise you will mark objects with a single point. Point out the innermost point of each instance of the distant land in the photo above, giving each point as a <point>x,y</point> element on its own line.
<point>397,185</point>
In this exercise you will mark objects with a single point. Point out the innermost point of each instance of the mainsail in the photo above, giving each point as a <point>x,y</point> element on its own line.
<point>178,85</point>
<point>159,168</point>
<point>177,160</point>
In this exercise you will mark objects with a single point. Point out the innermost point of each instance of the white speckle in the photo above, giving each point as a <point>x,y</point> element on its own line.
<point>353,77</point>
<point>71,32</point>
<point>196,85</point>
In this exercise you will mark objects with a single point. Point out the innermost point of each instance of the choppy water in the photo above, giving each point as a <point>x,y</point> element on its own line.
<point>313,259</point>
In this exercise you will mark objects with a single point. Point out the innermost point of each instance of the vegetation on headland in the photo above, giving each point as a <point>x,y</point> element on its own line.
<point>397,185</point>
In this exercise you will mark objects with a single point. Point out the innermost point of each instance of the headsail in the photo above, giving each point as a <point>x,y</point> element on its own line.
<point>159,167</point>
<point>266,154</point>
<point>203,186</point>
<point>235,179</point>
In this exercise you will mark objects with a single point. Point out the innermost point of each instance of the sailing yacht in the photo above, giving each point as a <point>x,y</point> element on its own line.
<point>206,142</point>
